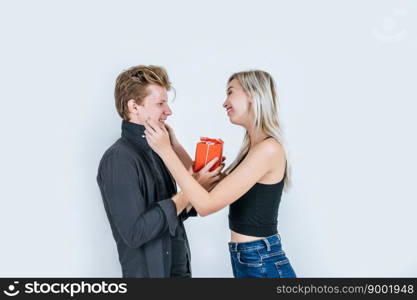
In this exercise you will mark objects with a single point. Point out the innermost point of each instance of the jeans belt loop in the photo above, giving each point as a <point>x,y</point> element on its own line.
<point>268,245</point>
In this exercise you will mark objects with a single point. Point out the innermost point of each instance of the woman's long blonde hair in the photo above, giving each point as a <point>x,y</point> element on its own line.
<point>262,88</point>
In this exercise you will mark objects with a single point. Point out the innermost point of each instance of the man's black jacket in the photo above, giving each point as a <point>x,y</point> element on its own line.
<point>138,204</point>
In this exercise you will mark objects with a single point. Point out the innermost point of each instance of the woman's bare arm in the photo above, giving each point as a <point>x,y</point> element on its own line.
<point>256,164</point>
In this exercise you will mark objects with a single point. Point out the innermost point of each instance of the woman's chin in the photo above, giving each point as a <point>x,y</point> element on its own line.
<point>233,121</point>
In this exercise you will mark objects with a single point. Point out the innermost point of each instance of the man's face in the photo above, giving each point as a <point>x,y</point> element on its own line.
<point>155,105</point>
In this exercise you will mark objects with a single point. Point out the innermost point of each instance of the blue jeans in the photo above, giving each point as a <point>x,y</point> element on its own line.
<point>262,258</point>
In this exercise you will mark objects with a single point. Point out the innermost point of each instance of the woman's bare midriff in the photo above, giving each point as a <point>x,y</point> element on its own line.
<point>241,238</point>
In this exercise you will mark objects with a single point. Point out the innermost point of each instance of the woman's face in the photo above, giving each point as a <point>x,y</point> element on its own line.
<point>238,104</point>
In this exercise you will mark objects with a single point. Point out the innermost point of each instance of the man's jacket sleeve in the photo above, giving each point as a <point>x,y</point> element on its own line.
<point>136,224</point>
<point>184,214</point>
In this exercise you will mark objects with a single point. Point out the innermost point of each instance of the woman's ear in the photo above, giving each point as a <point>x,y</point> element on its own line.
<point>249,97</point>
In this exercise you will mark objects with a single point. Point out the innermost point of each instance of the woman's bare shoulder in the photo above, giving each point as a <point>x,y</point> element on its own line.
<point>269,147</point>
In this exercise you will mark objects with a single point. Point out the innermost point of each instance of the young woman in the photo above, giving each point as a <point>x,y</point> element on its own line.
<point>253,183</point>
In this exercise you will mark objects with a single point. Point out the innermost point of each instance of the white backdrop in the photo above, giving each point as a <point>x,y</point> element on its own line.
<point>346,73</point>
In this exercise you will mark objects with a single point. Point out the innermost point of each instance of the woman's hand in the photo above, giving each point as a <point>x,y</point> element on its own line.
<point>157,137</point>
<point>173,138</point>
<point>209,179</point>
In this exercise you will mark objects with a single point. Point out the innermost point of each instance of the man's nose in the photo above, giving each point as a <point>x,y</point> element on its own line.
<point>168,111</point>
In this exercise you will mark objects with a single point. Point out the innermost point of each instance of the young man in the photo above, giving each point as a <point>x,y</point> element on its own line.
<point>139,194</point>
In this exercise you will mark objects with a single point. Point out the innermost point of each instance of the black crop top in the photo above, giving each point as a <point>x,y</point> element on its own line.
<point>256,212</point>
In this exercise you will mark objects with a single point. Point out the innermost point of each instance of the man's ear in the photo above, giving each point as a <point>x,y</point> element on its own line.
<point>133,107</point>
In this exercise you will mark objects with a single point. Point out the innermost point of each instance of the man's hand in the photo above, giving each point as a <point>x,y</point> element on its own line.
<point>206,178</point>
<point>181,202</point>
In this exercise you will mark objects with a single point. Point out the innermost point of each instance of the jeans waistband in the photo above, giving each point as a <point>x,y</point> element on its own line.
<point>257,244</point>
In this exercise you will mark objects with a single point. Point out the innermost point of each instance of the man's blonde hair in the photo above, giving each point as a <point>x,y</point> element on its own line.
<point>132,84</point>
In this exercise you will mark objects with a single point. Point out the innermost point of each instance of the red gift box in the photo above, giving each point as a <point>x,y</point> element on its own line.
<point>207,149</point>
